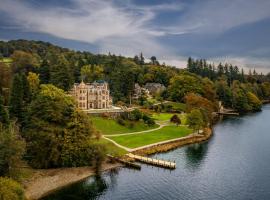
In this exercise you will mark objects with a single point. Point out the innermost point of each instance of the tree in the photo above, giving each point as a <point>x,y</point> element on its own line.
<point>5,77</point>
<point>209,91</point>
<point>26,90</point>
<point>23,62</point>
<point>206,107</point>
<point>195,120</point>
<point>239,97</point>
<point>136,115</point>
<point>57,134</point>
<point>183,84</point>
<point>33,81</point>
<point>12,148</point>
<point>3,113</point>
<point>254,102</point>
<point>60,74</point>
<point>10,189</point>
<point>91,73</point>
<point>154,60</point>
<point>175,119</point>
<point>44,72</point>
<point>16,98</point>
<point>223,91</point>
<point>141,59</point>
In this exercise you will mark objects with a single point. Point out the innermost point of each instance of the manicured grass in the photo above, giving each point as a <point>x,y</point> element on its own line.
<point>111,148</point>
<point>167,117</point>
<point>110,126</point>
<point>177,106</point>
<point>141,139</point>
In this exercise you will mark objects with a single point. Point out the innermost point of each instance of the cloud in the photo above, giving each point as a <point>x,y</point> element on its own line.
<point>126,28</point>
<point>108,25</point>
<point>220,15</point>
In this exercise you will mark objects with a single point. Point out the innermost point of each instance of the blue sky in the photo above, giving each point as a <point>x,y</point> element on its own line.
<point>235,31</point>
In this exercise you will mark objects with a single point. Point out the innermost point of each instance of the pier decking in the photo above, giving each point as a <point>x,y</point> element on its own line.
<point>153,161</point>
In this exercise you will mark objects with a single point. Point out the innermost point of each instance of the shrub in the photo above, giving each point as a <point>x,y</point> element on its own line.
<point>136,115</point>
<point>10,190</point>
<point>175,119</point>
<point>121,121</point>
<point>148,120</point>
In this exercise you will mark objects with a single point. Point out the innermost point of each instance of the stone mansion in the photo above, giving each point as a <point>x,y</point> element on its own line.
<point>92,95</point>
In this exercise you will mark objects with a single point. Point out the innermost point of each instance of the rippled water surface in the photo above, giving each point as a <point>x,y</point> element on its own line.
<point>234,164</point>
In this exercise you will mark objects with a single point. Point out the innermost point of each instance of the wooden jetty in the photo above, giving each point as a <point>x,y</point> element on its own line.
<point>153,161</point>
<point>227,113</point>
<point>126,163</point>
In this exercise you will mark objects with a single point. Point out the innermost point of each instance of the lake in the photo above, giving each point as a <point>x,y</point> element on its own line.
<point>234,164</point>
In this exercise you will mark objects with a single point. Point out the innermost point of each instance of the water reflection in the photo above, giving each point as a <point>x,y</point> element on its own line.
<point>88,190</point>
<point>233,164</point>
<point>195,154</point>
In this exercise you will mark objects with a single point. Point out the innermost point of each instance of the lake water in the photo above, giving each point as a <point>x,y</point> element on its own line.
<point>234,164</point>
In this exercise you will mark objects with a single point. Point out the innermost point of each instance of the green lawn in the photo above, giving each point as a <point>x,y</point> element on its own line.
<point>111,148</point>
<point>167,117</point>
<point>6,60</point>
<point>110,126</point>
<point>177,105</point>
<point>165,133</point>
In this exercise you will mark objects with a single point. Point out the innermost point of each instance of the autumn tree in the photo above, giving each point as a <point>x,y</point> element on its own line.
<point>33,82</point>
<point>23,62</point>
<point>206,107</point>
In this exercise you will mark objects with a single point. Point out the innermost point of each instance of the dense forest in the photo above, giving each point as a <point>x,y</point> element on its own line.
<point>41,126</point>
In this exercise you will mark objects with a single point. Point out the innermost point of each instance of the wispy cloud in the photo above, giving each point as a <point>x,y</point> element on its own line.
<point>124,27</point>
<point>110,26</point>
<point>219,15</point>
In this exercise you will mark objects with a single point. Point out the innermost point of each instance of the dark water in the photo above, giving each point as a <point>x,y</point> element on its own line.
<point>234,164</point>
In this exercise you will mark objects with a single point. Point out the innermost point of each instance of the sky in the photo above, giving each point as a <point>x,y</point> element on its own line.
<point>233,31</point>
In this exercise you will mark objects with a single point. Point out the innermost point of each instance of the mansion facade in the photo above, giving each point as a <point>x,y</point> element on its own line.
<point>92,95</point>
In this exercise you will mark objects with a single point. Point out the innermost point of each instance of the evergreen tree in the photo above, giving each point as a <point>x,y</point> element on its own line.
<point>60,74</point>
<point>26,90</point>
<point>3,112</point>
<point>16,98</point>
<point>141,59</point>
<point>44,72</point>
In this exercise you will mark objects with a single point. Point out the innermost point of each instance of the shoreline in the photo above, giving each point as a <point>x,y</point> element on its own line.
<point>47,181</point>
